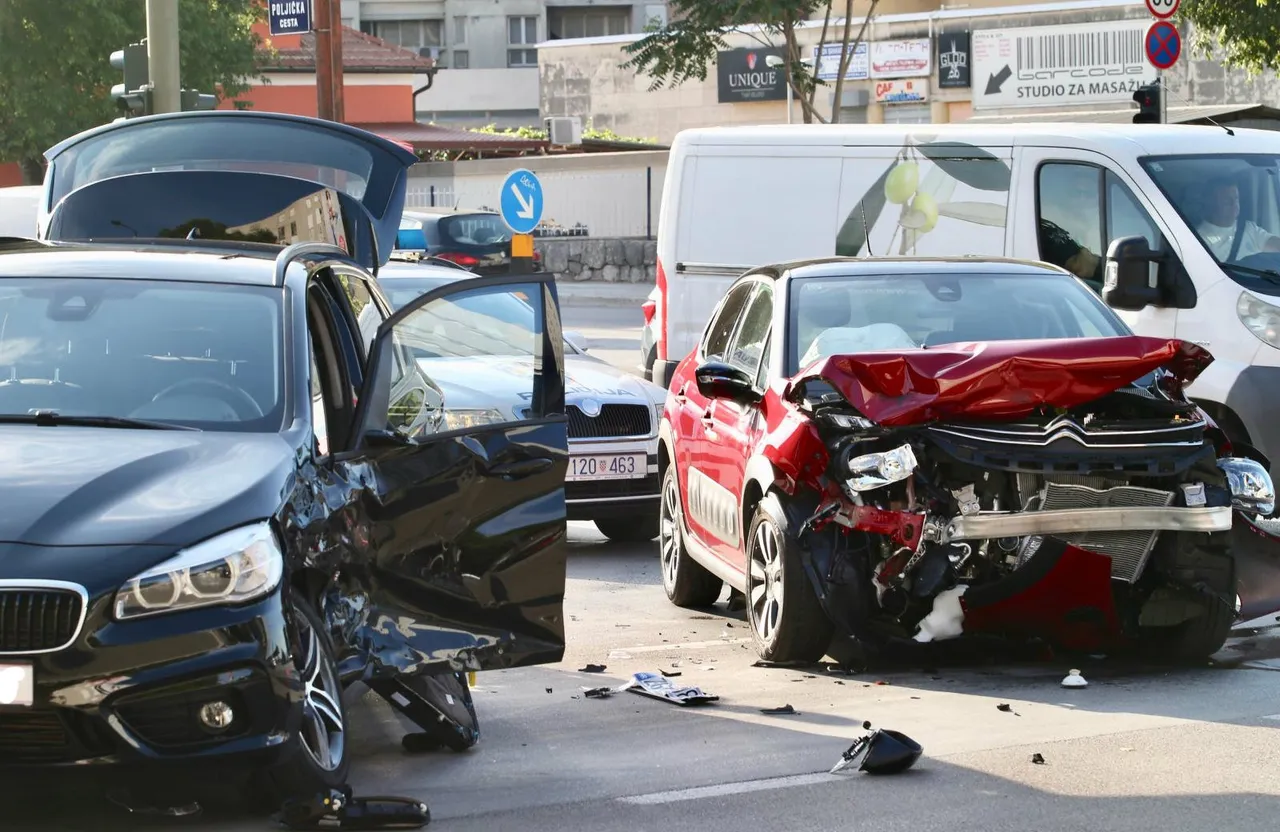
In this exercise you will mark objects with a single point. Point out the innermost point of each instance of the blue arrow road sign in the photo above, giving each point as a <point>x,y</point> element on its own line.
<point>1164,44</point>
<point>289,17</point>
<point>521,201</point>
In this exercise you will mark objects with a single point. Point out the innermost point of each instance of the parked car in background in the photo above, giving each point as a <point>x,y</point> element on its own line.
<point>612,478</point>
<point>478,240</point>
<point>19,207</point>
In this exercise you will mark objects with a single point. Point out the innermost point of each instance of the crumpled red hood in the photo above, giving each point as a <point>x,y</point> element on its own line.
<point>999,379</point>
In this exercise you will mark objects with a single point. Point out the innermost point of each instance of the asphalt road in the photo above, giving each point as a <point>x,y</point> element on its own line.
<point>1138,749</point>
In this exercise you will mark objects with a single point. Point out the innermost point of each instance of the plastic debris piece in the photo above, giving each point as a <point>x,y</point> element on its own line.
<point>784,709</point>
<point>548,690</point>
<point>337,809</point>
<point>946,620</point>
<point>125,801</point>
<point>670,673</point>
<point>598,693</point>
<point>593,668</point>
<point>1074,680</point>
<point>656,687</point>
<point>1037,758</point>
<point>882,751</point>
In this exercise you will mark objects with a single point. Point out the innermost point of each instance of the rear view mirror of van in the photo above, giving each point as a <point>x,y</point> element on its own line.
<point>1132,279</point>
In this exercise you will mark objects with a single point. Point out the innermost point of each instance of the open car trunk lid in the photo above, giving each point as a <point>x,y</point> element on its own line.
<point>996,380</point>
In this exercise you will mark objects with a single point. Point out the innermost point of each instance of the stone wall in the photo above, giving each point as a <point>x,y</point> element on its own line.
<point>613,260</point>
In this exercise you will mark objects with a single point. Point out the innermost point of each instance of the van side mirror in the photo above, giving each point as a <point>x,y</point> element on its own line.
<point>717,380</point>
<point>1130,282</point>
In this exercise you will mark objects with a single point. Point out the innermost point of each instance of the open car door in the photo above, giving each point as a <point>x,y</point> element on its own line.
<point>464,486</point>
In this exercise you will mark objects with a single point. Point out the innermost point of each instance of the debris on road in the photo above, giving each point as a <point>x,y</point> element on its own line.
<point>670,673</point>
<point>598,693</point>
<point>548,690</point>
<point>1037,758</point>
<point>337,809</point>
<point>125,801</point>
<point>882,751</point>
<point>593,668</point>
<point>786,710</point>
<point>1074,680</point>
<point>656,687</point>
<point>1007,708</point>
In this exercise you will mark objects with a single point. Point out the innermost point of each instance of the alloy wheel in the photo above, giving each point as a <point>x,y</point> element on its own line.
<point>669,540</point>
<point>765,595</point>
<point>323,730</point>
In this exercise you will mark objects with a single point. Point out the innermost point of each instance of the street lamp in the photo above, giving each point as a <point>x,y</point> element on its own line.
<point>776,61</point>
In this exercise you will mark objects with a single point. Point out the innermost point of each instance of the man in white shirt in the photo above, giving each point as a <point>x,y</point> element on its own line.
<point>1218,229</point>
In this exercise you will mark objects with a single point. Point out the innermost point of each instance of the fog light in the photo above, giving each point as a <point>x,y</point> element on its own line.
<point>217,715</point>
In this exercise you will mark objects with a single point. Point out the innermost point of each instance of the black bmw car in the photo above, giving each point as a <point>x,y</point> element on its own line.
<point>224,501</point>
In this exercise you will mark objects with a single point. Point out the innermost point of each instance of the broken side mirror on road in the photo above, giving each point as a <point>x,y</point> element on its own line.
<point>717,380</point>
<point>881,751</point>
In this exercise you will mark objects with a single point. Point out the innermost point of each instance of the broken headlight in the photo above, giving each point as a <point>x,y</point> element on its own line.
<point>1251,486</point>
<point>240,565</point>
<point>844,420</point>
<point>871,471</point>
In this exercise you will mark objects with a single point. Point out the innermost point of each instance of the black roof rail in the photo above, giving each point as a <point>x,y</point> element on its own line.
<point>299,250</point>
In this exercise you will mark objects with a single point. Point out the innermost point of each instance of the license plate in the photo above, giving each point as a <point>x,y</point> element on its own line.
<point>607,467</point>
<point>17,685</point>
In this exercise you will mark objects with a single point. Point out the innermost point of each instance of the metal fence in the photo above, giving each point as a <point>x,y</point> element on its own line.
<point>604,202</point>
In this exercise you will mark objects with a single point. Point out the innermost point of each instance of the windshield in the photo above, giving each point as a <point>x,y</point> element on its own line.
<point>843,315</point>
<point>1232,204</point>
<point>199,355</point>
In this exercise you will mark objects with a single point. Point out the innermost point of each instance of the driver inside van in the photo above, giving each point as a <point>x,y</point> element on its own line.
<point>1221,220</point>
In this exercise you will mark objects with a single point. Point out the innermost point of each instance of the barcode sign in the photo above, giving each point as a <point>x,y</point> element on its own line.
<point>1079,50</point>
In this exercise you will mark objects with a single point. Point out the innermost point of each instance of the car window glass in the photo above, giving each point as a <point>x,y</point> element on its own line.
<point>319,422</point>
<point>1125,215</point>
<point>368,316</point>
<point>467,362</point>
<point>721,329</point>
<point>762,374</point>
<point>748,344</point>
<point>1070,218</point>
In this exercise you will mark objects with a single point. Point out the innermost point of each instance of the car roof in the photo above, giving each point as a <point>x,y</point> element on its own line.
<point>251,264</point>
<point>853,266</point>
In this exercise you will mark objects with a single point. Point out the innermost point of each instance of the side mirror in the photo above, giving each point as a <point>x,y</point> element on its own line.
<point>717,380</point>
<point>1131,283</point>
<point>578,340</point>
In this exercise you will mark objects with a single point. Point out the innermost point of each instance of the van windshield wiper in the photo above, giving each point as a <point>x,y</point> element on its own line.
<point>52,418</point>
<point>1266,274</point>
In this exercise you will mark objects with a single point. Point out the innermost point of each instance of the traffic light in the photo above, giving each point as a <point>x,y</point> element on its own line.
<point>196,100</point>
<point>1148,99</point>
<point>134,95</point>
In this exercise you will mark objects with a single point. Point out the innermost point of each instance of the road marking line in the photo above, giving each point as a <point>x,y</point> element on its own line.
<point>701,792</point>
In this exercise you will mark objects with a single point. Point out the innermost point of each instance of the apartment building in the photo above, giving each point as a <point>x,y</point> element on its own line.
<point>488,49</point>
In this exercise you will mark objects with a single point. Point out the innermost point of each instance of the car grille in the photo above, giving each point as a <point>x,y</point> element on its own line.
<point>44,737</point>
<point>614,421</point>
<point>35,620</point>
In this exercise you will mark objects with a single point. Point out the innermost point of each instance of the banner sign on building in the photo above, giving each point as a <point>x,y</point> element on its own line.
<point>902,58</point>
<point>827,60</point>
<point>953,60</point>
<point>744,75</point>
<point>1067,65</point>
<point>902,91</point>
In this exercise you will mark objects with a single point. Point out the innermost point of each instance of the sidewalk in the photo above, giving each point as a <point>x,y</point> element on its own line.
<point>602,293</point>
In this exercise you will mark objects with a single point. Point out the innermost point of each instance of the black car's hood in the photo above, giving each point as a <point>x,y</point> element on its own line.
<point>74,486</point>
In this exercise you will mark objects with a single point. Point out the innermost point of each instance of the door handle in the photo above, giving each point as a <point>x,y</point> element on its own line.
<point>521,469</point>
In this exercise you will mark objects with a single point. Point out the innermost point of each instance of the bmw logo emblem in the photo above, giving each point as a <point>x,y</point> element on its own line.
<point>591,407</point>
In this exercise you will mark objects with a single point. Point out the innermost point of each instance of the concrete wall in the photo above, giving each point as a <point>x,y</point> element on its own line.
<point>612,194</point>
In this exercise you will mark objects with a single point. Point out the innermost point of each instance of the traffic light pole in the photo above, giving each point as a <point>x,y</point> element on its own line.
<point>162,55</point>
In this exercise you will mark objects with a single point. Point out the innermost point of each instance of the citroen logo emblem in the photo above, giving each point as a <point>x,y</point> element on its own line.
<point>591,407</point>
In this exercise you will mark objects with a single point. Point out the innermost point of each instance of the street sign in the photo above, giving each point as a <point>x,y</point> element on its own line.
<point>1164,44</point>
<point>289,17</point>
<point>521,201</point>
<point>1060,66</point>
<point>1163,9</point>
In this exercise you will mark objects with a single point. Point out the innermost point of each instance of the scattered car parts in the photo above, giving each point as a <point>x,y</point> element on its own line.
<point>880,751</point>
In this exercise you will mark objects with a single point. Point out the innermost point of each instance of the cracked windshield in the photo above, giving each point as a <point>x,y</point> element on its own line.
<point>624,415</point>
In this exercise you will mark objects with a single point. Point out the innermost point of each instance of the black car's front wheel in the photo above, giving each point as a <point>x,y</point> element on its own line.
<point>319,758</point>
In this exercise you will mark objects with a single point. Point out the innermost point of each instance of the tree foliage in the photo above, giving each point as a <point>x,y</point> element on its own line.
<point>1246,33</point>
<point>683,49</point>
<point>56,75</point>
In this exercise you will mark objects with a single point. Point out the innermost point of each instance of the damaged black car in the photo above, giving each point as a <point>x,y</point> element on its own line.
<point>226,500</point>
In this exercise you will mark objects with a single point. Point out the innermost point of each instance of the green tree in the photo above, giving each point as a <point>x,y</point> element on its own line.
<point>56,75</point>
<point>684,48</point>
<point>1246,33</point>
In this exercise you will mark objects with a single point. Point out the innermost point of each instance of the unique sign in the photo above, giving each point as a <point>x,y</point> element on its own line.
<point>902,91</point>
<point>521,201</point>
<point>1163,9</point>
<point>1067,65</point>
<point>902,58</point>
<point>1164,44</point>
<point>745,75</point>
<point>827,60</point>
<point>289,17</point>
<point>953,60</point>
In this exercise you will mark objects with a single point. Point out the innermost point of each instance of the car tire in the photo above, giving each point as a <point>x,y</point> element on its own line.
<point>639,529</point>
<point>687,582</point>
<point>650,358</point>
<point>323,728</point>
<point>1194,641</point>
<point>786,619</point>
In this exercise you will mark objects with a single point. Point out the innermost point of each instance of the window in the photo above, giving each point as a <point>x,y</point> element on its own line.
<point>748,345</point>
<point>522,31</point>
<point>588,23</point>
<point>1082,208</point>
<point>716,341</point>
<point>460,29</point>
<point>368,316</point>
<point>461,59</point>
<point>411,34</point>
<point>319,424</point>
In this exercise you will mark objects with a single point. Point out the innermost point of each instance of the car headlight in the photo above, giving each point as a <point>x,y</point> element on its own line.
<point>871,471</point>
<point>1260,318</point>
<point>459,419</point>
<point>1250,483</point>
<point>234,567</point>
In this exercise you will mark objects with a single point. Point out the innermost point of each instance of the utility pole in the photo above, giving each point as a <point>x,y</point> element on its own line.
<point>322,9</point>
<point>162,55</point>
<point>335,46</point>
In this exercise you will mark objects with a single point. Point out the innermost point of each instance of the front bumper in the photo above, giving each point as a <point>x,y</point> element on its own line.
<point>604,495</point>
<point>131,692</point>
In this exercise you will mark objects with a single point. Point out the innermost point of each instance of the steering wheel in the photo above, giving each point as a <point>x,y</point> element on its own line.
<point>237,398</point>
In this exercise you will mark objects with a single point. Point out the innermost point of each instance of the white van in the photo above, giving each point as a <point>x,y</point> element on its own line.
<point>738,197</point>
<point>19,209</point>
